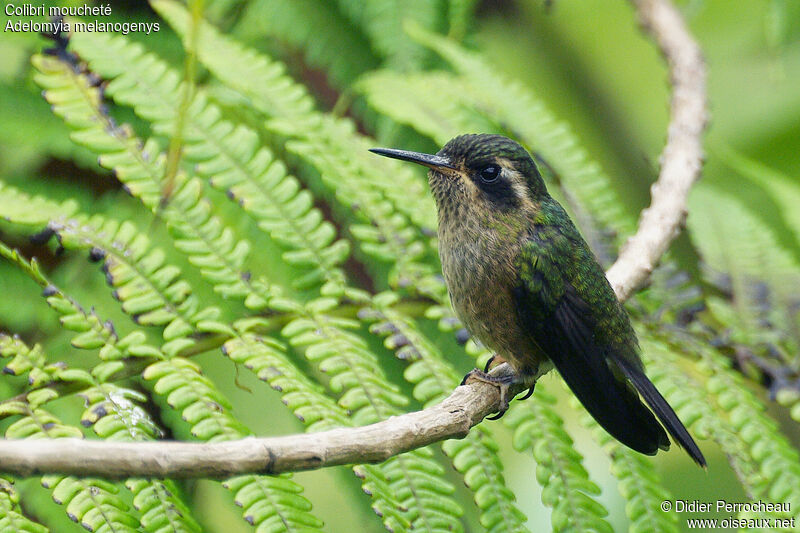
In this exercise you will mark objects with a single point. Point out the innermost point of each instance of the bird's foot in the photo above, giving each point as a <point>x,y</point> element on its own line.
<point>502,381</point>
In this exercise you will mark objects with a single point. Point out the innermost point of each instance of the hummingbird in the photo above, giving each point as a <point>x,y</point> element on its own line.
<point>525,283</point>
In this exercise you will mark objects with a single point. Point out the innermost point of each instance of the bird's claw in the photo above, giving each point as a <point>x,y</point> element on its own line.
<point>493,360</point>
<point>529,393</point>
<point>502,382</point>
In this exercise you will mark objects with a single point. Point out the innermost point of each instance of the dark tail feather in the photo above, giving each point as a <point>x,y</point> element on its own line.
<point>662,409</point>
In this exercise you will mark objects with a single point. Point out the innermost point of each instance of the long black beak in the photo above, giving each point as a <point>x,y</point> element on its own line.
<point>430,161</point>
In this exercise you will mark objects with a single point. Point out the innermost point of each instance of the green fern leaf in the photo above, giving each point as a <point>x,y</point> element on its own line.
<point>266,358</point>
<point>566,486</point>
<point>365,392</point>
<point>112,412</point>
<point>433,378</point>
<point>734,241</point>
<point>11,516</point>
<point>93,503</point>
<point>161,510</point>
<point>24,360</point>
<point>228,155</point>
<point>267,501</point>
<point>638,483</point>
<point>136,270</point>
<point>210,245</point>
<point>778,461</point>
<point>734,419</point>
<point>185,390</point>
<point>382,21</point>
<point>29,210</point>
<point>431,102</point>
<point>329,144</point>
<point>459,16</point>
<point>328,39</point>
<point>149,289</point>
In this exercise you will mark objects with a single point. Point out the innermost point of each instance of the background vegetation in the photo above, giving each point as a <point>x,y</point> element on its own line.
<point>252,256</point>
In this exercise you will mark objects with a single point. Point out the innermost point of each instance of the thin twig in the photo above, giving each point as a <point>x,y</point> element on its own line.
<point>467,405</point>
<point>682,158</point>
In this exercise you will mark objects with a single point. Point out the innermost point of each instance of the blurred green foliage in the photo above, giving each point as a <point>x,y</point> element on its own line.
<point>246,238</point>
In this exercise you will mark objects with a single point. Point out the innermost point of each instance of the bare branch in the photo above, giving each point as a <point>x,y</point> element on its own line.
<point>467,405</point>
<point>452,418</point>
<point>682,158</point>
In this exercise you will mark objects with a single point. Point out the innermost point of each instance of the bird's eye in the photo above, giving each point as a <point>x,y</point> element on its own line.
<point>489,173</point>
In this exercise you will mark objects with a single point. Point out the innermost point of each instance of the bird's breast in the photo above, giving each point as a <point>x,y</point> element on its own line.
<point>479,267</point>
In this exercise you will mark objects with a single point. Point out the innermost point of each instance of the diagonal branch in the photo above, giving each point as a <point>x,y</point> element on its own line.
<point>659,224</point>
<point>682,158</point>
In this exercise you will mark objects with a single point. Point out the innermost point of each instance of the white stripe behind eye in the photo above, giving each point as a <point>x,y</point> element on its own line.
<point>517,181</point>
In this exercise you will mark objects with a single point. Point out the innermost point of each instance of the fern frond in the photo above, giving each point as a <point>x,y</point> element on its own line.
<point>383,233</point>
<point>475,457</point>
<point>355,374</point>
<point>778,461</point>
<point>638,483</point>
<point>416,480</point>
<point>149,289</point>
<point>27,210</point>
<point>414,477</point>
<point>331,145</point>
<point>382,21</point>
<point>91,331</point>
<point>733,240</point>
<point>135,268</point>
<point>185,389</point>
<point>328,39</point>
<point>434,378</point>
<point>267,359</point>
<point>763,460</point>
<point>781,188</point>
<point>210,245</point>
<point>268,502</point>
<point>11,516</point>
<point>93,503</point>
<point>566,486</point>
<point>431,102</point>
<point>24,360</point>
<point>112,412</point>
<point>764,281</point>
<point>228,155</point>
<point>161,510</point>
<point>459,17</point>
<point>352,367</point>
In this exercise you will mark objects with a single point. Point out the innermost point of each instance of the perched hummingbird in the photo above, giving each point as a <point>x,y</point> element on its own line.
<point>525,283</point>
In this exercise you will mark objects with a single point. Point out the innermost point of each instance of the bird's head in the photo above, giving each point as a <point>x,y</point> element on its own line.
<point>483,172</point>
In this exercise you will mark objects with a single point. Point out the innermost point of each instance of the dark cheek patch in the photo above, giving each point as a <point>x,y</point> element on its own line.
<point>500,193</point>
